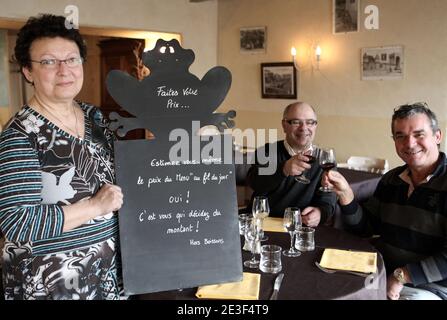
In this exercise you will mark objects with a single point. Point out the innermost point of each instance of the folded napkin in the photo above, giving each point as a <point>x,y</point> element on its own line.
<point>349,260</point>
<point>274,225</point>
<point>247,289</point>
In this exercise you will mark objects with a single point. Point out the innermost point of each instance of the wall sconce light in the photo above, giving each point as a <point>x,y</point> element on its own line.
<point>314,61</point>
<point>293,53</point>
<point>318,56</point>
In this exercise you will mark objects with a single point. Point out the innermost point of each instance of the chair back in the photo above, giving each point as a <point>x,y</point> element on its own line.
<point>369,164</point>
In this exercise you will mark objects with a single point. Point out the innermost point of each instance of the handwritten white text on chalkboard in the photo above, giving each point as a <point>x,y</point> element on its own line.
<point>151,181</point>
<point>175,105</point>
<point>180,229</point>
<point>163,163</point>
<point>207,177</point>
<point>219,178</point>
<point>192,217</point>
<point>206,241</point>
<point>163,91</point>
<point>179,198</point>
<point>169,92</point>
<point>193,213</point>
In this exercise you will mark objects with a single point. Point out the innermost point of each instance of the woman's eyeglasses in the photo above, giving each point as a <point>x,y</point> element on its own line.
<point>55,63</point>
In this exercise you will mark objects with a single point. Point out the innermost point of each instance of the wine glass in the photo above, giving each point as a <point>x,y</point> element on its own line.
<point>292,221</point>
<point>252,235</point>
<point>327,162</point>
<point>261,210</point>
<point>312,154</point>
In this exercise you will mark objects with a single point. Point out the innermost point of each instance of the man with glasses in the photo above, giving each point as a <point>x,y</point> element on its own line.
<point>299,124</point>
<point>408,209</point>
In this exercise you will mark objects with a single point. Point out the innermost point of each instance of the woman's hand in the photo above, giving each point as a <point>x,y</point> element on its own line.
<point>108,199</point>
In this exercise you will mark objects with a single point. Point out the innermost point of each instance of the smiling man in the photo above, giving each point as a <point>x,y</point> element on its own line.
<point>408,209</point>
<point>299,124</point>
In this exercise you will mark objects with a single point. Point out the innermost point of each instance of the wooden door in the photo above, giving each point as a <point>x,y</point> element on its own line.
<point>125,55</point>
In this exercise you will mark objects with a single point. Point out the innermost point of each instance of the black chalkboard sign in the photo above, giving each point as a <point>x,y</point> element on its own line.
<point>170,97</point>
<point>178,224</point>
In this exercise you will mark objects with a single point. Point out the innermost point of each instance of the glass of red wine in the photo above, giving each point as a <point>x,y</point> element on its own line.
<point>327,162</point>
<point>312,154</point>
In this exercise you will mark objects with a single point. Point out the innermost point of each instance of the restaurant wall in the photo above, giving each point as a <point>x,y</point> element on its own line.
<point>196,22</point>
<point>354,115</point>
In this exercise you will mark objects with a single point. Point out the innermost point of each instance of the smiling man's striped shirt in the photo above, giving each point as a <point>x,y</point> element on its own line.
<point>412,225</point>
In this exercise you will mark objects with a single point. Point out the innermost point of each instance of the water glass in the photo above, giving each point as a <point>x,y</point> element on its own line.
<point>244,222</point>
<point>305,239</point>
<point>252,236</point>
<point>261,210</point>
<point>270,259</point>
<point>292,221</point>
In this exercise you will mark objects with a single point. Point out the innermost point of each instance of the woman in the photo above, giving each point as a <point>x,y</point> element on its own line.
<point>56,178</point>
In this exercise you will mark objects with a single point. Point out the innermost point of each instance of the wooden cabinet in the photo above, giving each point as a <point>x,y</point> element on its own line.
<point>125,55</point>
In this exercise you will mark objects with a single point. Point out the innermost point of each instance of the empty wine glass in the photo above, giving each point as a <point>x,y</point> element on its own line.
<point>261,210</point>
<point>292,221</point>
<point>252,235</point>
<point>327,162</point>
<point>312,154</point>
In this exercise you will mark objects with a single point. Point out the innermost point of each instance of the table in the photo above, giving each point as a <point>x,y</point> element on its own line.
<point>362,183</point>
<point>302,279</point>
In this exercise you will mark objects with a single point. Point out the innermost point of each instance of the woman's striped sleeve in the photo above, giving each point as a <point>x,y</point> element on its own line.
<point>22,216</point>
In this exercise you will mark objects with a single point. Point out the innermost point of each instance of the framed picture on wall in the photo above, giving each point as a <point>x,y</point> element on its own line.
<point>253,39</point>
<point>345,16</point>
<point>382,63</point>
<point>278,80</point>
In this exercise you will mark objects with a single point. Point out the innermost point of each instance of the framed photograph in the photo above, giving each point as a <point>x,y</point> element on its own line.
<point>278,80</point>
<point>253,40</point>
<point>382,63</point>
<point>345,16</point>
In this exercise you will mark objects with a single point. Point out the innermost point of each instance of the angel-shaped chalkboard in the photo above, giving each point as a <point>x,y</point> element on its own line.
<point>170,97</point>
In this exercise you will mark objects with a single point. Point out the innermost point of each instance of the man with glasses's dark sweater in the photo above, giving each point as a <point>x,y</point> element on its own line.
<point>290,159</point>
